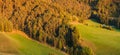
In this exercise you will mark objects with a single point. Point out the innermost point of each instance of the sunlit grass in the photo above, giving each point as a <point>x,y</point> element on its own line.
<point>31,47</point>
<point>106,41</point>
<point>28,47</point>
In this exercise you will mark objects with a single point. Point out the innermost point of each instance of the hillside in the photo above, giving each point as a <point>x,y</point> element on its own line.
<point>102,41</point>
<point>7,45</point>
<point>17,44</point>
<point>49,22</point>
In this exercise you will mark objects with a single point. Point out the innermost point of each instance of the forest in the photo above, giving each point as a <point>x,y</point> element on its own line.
<point>48,21</point>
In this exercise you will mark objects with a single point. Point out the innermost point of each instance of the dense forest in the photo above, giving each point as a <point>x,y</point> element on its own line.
<point>5,25</point>
<point>47,21</point>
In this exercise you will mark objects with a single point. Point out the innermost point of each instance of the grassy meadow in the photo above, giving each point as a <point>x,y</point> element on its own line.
<point>102,41</point>
<point>16,44</point>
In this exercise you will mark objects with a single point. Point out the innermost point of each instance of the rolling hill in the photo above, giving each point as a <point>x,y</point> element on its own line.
<point>102,41</point>
<point>17,44</point>
<point>46,22</point>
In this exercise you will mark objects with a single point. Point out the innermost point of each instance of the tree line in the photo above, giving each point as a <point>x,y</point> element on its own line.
<point>5,25</point>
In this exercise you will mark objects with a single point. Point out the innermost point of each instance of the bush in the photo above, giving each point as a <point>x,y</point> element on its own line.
<point>106,27</point>
<point>76,37</point>
<point>86,51</point>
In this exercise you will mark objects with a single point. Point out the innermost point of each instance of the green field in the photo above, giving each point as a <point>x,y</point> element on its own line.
<point>16,44</point>
<point>106,42</point>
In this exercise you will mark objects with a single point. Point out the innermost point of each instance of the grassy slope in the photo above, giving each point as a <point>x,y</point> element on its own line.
<point>7,46</point>
<point>20,45</point>
<point>106,42</point>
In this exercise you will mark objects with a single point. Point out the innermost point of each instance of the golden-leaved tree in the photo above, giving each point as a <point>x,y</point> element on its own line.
<point>5,25</point>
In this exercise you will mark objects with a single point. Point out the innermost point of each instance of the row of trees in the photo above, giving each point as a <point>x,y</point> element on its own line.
<point>107,12</point>
<point>5,25</point>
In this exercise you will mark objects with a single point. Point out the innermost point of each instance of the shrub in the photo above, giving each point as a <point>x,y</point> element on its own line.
<point>106,27</point>
<point>86,51</point>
